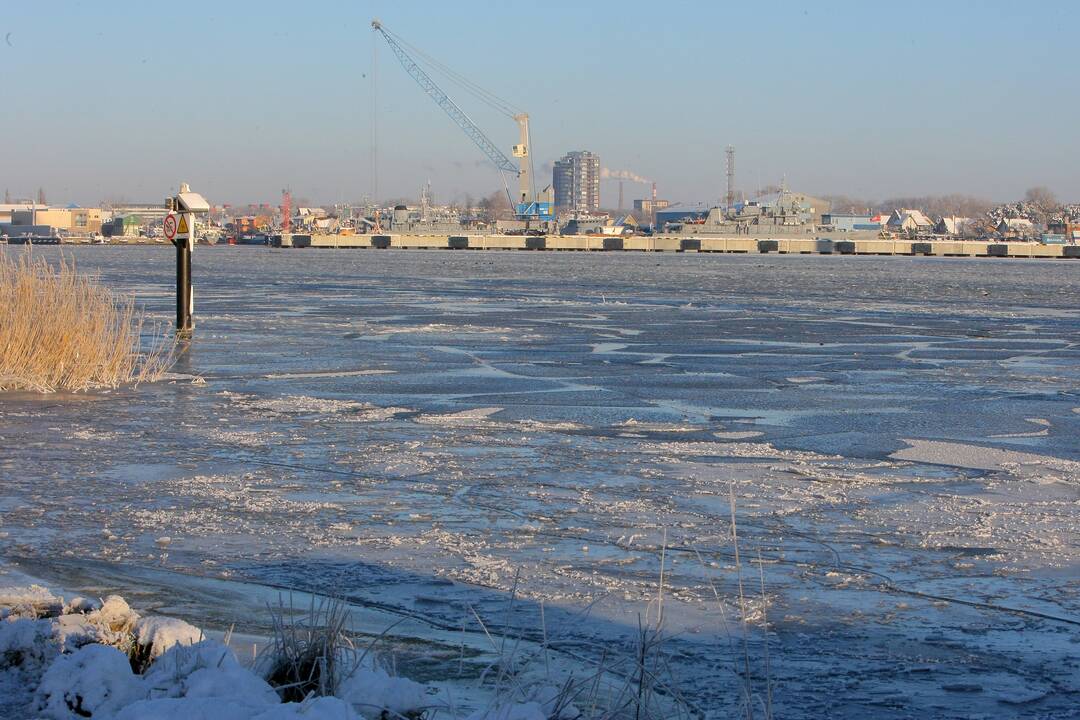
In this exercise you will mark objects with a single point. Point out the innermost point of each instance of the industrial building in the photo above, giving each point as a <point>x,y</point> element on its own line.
<point>85,221</point>
<point>576,178</point>
<point>74,219</point>
<point>122,226</point>
<point>10,233</point>
<point>51,221</point>
<point>6,210</point>
<point>1068,231</point>
<point>850,222</point>
<point>678,216</point>
<point>146,212</point>
<point>648,206</point>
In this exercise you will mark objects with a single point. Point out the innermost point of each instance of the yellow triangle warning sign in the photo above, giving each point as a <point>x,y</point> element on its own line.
<point>183,228</point>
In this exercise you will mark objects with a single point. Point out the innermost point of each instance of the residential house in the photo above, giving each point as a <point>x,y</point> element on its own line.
<point>1016,227</point>
<point>908,220</point>
<point>954,226</point>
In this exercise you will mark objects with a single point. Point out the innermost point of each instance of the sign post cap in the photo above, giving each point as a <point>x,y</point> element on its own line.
<point>192,202</point>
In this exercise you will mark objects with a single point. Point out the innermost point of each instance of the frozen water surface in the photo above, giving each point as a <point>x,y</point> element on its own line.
<point>424,432</point>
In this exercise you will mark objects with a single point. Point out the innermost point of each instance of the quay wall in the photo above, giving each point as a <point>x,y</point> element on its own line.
<point>696,243</point>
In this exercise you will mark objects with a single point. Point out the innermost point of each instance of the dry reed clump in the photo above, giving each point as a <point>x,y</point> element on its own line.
<point>62,330</point>
<point>310,655</point>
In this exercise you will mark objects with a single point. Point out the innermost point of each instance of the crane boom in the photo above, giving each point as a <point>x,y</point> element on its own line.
<point>456,114</point>
<point>528,205</point>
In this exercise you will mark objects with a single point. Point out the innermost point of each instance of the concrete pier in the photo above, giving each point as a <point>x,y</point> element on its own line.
<point>697,243</point>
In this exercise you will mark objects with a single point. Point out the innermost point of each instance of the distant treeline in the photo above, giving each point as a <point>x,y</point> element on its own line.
<point>934,205</point>
<point>952,205</point>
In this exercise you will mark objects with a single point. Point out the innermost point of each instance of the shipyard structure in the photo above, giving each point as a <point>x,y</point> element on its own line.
<point>565,215</point>
<point>789,214</point>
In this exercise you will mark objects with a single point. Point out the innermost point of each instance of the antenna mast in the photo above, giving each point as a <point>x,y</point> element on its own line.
<point>730,176</point>
<point>375,124</point>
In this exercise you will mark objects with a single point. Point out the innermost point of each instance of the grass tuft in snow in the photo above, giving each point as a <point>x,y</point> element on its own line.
<point>634,683</point>
<point>311,654</point>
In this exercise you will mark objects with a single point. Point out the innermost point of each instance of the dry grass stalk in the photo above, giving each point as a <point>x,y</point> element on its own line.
<point>634,683</point>
<point>742,605</point>
<point>62,330</point>
<point>310,655</point>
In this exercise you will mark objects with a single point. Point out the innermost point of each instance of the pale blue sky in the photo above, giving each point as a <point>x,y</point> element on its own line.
<point>106,99</point>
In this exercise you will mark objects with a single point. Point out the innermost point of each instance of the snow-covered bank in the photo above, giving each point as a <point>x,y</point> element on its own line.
<point>81,657</point>
<point>66,659</point>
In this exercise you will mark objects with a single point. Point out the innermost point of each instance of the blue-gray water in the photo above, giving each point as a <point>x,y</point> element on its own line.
<point>427,431</point>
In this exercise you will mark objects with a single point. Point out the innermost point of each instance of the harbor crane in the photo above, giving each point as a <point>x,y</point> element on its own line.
<point>528,206</point>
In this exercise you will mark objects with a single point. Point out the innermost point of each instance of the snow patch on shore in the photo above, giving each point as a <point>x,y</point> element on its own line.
<point>64,661</point>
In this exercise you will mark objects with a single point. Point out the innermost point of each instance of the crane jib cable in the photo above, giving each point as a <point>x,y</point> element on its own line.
<point>482,94</point>
<point>479,92</point>
<point>450,107</point>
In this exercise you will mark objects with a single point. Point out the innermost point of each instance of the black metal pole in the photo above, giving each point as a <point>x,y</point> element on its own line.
<point>183,288</point>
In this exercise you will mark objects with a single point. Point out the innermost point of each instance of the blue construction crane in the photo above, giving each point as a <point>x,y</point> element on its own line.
<point>528,205</point>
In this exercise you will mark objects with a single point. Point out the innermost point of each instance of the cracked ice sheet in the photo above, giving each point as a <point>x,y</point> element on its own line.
<point>389,440</point>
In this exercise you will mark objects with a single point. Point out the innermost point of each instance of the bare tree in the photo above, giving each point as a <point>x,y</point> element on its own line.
<point>976,227</point>
<point>494,207</point>
<point>846,204</point>
<point>1041,196</point>
<point>940,205</point>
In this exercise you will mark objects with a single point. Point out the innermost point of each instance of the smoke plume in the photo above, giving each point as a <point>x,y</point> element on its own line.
<point>607,174</point>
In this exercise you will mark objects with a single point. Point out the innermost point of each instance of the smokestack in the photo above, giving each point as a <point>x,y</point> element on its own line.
<point>654,193</point>
<point>620,194</point>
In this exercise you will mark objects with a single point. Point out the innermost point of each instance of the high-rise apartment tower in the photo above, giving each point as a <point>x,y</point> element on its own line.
<point>576,178</point>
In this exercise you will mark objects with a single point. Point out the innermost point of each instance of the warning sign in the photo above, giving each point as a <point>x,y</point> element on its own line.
<point>169,225</point>
<point>183,229</point>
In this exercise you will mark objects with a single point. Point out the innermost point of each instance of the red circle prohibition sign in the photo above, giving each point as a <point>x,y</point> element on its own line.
<point>170,226</point>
